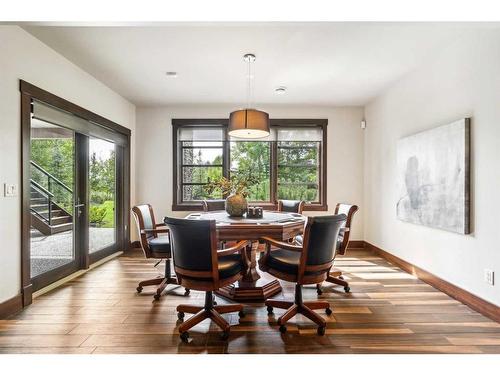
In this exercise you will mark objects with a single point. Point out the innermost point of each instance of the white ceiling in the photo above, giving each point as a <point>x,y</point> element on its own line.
<point>319,63</point>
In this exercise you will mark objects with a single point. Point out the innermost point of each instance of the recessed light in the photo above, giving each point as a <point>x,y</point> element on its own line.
<point>171,74</point>
<point>280,90</point>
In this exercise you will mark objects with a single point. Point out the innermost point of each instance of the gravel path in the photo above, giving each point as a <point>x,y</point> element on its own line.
<point>49,252</point>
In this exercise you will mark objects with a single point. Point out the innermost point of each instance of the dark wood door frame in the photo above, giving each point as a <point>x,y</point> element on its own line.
<point>29,93</point>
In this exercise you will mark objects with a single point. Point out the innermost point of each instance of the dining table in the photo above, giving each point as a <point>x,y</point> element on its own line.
<point>282,226</point>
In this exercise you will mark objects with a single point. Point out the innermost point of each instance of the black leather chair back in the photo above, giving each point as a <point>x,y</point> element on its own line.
<point>345,231</point>
<point>214,205</point>
<point>144,219</point>
<point>290,206</point>
<point>191,243</point>
<point>321,239</point>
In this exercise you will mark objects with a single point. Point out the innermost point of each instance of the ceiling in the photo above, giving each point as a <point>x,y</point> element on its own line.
<point>319,63</point>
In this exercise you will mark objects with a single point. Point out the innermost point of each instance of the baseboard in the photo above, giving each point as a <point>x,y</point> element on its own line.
<point>354,244</point>
<point>11,306</point>
<point>474,302</point>
<point>134,245</point>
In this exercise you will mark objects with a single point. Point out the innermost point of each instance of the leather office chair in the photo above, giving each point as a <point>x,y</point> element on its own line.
<point>214,205</point>
<point>290,206</point>
<point>200,265</point>
<point>335,276</point>
<point>306,264</point>
<point>154,247</point>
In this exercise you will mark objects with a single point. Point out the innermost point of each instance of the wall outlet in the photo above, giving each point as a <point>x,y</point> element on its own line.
<point>10,190</point>
<point>489,276</point>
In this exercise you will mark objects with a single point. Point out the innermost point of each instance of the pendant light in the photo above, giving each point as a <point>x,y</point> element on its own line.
<point>249,123</point>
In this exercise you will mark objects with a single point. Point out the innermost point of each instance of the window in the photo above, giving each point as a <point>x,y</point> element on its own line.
<point>299,167</point>
<point>289,164</point>
<point>253,158</point>
<point>201,160</point>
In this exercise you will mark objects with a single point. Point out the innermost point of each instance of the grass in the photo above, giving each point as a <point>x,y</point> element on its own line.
<point>109,219</point>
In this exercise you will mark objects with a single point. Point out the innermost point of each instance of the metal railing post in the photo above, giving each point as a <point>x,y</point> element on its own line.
<point>50,199</point>
<point>50,210</point>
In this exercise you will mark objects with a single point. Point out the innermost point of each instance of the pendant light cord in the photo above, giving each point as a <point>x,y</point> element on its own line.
<point>249,84</point>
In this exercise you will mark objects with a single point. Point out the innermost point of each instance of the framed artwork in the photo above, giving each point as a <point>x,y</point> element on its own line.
<point>434,177</point>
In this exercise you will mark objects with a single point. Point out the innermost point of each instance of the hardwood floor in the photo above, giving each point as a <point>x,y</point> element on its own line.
<point>388,311</point>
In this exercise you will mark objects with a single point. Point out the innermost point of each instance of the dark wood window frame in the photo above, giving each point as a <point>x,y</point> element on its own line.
<point>273,204</point>
<point>29,93</point>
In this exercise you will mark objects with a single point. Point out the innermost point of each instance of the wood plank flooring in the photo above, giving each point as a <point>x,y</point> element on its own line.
<point>388,311</point>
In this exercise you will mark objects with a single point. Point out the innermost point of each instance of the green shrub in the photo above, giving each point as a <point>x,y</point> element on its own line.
<point>97,214</point>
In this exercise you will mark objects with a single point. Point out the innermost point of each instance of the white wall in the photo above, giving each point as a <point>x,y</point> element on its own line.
<point>462,80</point>
<point>24,57</point>
<point>345,153</point>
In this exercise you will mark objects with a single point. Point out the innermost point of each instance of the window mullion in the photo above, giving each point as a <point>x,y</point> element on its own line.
<point>274,172</point>
<point>226,156</point>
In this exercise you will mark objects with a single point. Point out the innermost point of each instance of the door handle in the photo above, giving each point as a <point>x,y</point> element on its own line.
<point>79,208</point>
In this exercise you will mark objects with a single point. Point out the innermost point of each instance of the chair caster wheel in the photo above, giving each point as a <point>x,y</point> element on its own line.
<point>241,314</point>
<point>328,311</point>
<point>186,292</point>
<point>269,310</point>
<point>180,315</point>
<point>321,331</point>
<point>282,328</point>
<point>319,291</point>
<point>347,289</point>
<point>224,335</point>
<point>157,297</point>
<point>139,289</point>
<point>185,336</point>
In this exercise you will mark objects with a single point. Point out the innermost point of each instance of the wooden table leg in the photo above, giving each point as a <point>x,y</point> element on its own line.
<point>253,286</point>
<point>251,275</point>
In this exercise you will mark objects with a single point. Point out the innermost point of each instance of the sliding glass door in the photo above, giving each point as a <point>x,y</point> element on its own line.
<point>102,195</point>
<point>52,199</point>
<point>76,200</point>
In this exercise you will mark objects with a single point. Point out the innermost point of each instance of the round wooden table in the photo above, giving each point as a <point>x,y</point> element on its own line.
<point>277,225</point>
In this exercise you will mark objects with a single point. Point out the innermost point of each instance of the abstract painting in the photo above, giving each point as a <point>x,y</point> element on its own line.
<point>434,177</point>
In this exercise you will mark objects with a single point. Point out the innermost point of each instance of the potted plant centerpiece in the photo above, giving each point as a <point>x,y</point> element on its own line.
<point>236,191</point>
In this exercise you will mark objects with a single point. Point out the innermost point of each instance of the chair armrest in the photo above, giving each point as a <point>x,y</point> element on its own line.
<point>233,249</point>
<point>282,245</point>
<point>160,225</point>
<point>154,231</point>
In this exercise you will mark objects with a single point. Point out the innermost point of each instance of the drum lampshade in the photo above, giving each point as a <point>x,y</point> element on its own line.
<point>249,123</point>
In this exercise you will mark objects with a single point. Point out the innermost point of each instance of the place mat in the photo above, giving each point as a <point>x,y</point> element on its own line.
<point>268,217</point>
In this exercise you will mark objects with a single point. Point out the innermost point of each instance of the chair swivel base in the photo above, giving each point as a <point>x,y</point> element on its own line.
<point>208,311</point>
<point>299,307</point>
<point>162,282</point>
<point>335,280</point>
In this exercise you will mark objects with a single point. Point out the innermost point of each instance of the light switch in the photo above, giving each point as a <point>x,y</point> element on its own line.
<point>10,190</point>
